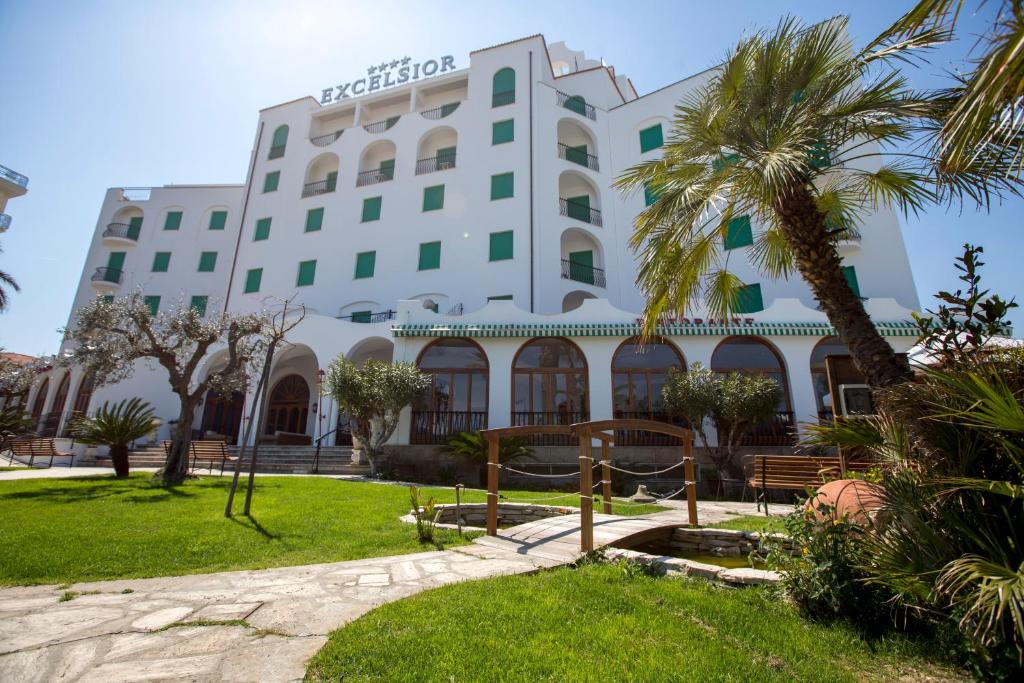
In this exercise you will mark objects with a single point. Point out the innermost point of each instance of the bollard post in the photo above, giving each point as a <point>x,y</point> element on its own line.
<point>606,478</point>
<point>586,493</point>
<point>458,507</point>
<point>691,484</point>
<point>492,485</point>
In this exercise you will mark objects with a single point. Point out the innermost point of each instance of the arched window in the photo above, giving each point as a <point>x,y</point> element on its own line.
<point>754,355</point>
<point>278,142</point>
<point>457,398</point>
<point>52,420</point>
<point>638,374</point>
<point>503,89</point>
<point>288,408</point>
<point>222,415</point>
<point>37,405</point>
<point>84,395</point>
<point>549,384</point>
<point>829,346</point>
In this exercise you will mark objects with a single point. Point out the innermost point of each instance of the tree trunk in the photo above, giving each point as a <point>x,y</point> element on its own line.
<point>803,226</point>
<point>261,420</point>
<point>176,466</point>
<point>119,456</point>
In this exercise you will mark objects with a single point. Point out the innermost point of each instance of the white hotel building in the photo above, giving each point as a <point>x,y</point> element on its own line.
<point>464,221</point>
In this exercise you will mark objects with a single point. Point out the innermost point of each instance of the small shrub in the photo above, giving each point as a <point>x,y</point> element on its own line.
<point>424,514</point>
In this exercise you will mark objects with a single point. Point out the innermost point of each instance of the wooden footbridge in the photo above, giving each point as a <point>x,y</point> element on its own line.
<point>578,533</point>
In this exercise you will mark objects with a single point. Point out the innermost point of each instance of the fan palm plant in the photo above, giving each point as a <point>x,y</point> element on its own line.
<point>473,447</point>
<point>790,131</point>
<point>116,426</point>
<point>6,280</point>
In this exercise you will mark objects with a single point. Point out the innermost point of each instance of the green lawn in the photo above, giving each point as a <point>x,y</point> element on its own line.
<point>752,523</point>
<point>91,528</point>
<point>604,623</point>
<point>13,469</point>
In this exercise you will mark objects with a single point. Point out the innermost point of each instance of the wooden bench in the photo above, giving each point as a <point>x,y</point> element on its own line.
<point>209,452</point>
<point>795,472</point>
<point>33,447</point>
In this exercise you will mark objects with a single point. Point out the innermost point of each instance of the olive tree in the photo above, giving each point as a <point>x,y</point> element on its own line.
<point>733,404</point>
<point>110,336</point>
<point>373,396</point>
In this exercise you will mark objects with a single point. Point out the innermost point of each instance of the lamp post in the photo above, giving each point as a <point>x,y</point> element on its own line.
<point>319,418</point>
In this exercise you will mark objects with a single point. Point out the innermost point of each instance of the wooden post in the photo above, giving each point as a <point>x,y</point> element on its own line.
<point>492,485</point>
<point>586,493</point>
<point>606,478</point>
<point>691,476</point>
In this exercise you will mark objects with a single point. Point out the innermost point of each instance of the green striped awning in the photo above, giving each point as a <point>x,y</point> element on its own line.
<point>675,329</point>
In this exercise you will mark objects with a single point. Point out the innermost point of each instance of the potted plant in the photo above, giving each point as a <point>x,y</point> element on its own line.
<point>473,447</point>
<point>116,427</point>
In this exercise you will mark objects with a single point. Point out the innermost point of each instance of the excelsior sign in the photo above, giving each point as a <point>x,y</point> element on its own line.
<point>387,74</point>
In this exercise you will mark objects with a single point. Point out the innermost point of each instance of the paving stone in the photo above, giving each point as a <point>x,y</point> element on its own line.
<point>165,617</point>
<point>228,612</point>
<point>374,579</point>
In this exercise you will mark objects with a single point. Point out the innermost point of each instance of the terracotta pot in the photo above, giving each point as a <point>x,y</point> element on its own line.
<point>858,499</point>
<point>119,456</point>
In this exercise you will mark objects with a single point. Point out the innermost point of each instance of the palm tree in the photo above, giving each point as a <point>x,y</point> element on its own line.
<point>6,280</point>
<point>116,427</point>
<point>983,121</point>
<point>788,131</point>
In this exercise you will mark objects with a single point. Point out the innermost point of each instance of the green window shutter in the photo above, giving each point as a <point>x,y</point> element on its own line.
<point>503,131</point>
<point>307,273</point>
<point>277,145</point>
<point>748,299</point>
<point>198,304</point>
<point>252,280</point>
<point>577,154</point>
<point>387,169</point>
<point>361,316</point>
<point>134,227</point>
<point>446,158</point>
<point>271,180</point>
<point>650,194</point>
<point>152,303</point>
<point>331,182</point>
<point>430,256</point>
<point>723,161</point>
<point>581,266</point>
<point>433,198</point>
<point>738,234</point>
<point>819,156</point>
<point>501,245</point>
<point>262,230</point>
<point>447,109</point>
<point>365,262</point>
<point>173,220</point>
<point>115,266</point>
<point>207,261</point>
<point>503,90</point>
<point>578,207</point>
<point>500,297</point>
<point>850,273</point>
<point>651,138</point>
<point>314,219</point>
<point>502,186</point>
<point>577,104</point>
<point>161,261</point>
<point>108,298</point>
<point>218,219</point>
<point>371,209</point>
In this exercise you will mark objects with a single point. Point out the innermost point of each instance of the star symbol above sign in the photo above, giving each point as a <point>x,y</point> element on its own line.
<point>394,64</point>
<point>406,60</point>
<point>383,66</point>
<point>370,71</point>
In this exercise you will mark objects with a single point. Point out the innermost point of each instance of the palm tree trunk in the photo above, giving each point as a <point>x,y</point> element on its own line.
<point>816,258</point>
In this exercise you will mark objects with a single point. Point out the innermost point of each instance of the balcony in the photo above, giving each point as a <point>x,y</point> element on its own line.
<point>377,175</point>
<point>107,279</point>
<point>320,187</point>
<point>324,140</point>
<point>578,211</point>
<point>577,104</point>
<point>364,317</point>
<point>437,426</point>
<point>381,126</point>
<point>442,162</point>
<point>13,177</point>
<point>121,233</point>
<point>5,222</point>
<point>779,430</point>
<point>438,113</point>
<point>566,417</point>
<point>579,272</point>
<point>577,156</point>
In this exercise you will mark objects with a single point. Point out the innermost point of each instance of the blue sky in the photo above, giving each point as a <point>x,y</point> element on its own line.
<point>107,94</point>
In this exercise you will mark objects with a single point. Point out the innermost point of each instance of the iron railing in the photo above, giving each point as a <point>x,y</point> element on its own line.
<point>778,430</point>
<point>123,231</point>
<point>438,163</point>
<point>550,418</point>
<point>276,152</point>
<point>380,317</point>
<point>630,437</point>
<point>111,275</point>
<point>580,212</point>
<point>5,222</point>
<point>377,175</point>
<point>381,126</point>
<point>437,426</point>
<point>13,176</point>
<point>319,187</point>
<point>440,112</point>
<point>577,157</point>
<point>579,272</point>
<point>500,99</point>
<point>577,104</point>
<point>324,140</point>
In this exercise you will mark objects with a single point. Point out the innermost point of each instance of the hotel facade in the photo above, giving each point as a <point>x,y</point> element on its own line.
<point>462,219</point>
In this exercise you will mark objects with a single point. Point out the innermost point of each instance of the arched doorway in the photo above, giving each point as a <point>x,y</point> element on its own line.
<point>288,407</point>
<point>457,398</point>
<point>550,386</point>
<point>52,418</point>
<point>84,395</point>
<point>222,415</point>
<point>751,355</point>
<point>37,405</point>
<point>639,372</point>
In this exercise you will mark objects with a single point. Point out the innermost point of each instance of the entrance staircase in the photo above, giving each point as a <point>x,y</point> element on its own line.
<point>272,459</point>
